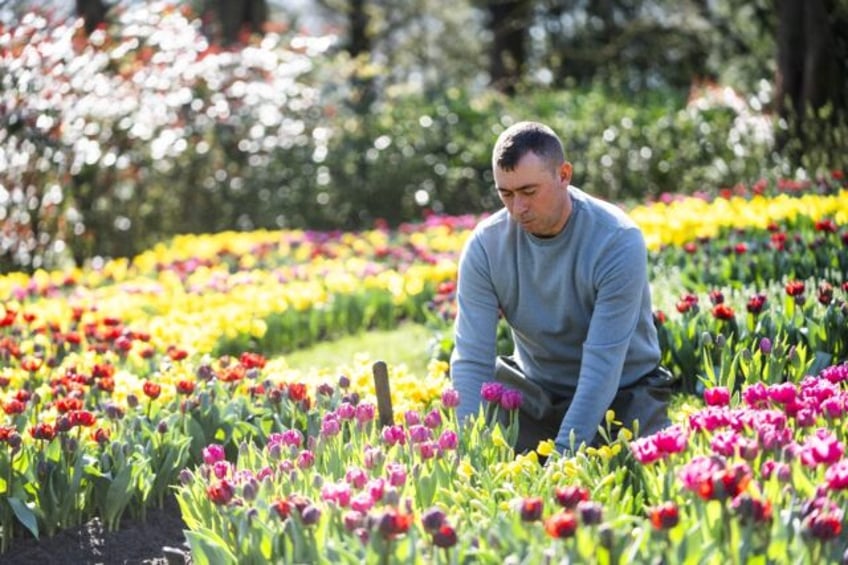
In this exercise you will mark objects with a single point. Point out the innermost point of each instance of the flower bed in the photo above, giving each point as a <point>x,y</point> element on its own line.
<point>126,382</point>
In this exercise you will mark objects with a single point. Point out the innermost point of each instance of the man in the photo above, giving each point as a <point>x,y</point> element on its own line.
<point>568,272</point>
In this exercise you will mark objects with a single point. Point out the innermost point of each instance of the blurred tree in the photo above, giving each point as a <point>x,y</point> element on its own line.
<point>421,45</point>
<point>508,22</point>
<point>812,69</point>
<point>740,43</point>
<point>93,13</point>
<point>232,21</point>
<point>628,43</point>
<point>359,41</point>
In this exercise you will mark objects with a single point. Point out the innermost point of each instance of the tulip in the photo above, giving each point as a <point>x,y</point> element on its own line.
<point>419,434</point>
<point>823,525</point>
<point>365,413</point>
<point>151,390</point>
<point>346,411</point>
<point>448,440</point>
<point>752,510</point>
<point>432,519</point>
<point>433,419</point>
<point>531,509</point>
<point>569,496</point>
<point>282,508</point>
<point>396,474</point>
<point>213,453</point>
<point>561,525</point>
<point>445,537</point>
<point>310,515</point>
<point>450,398</point>
<point>221,493</point>
<point>717,396</point>
<point>511,399</point>
<point>664,516</point>
<point>356,477</point>
<point>591,512</point>
<point>412,418</point>
<point>491,392</point>
<point>394,523</point>
<point>362,502</point>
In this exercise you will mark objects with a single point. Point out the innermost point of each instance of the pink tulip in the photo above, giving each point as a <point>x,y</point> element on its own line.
<point>450,398</point>
<point>511,399</point>
<point>213,453</point>
<point>411,418</point>
<point>837,475</point>
<point>717,396</point>
<point>356,477</point>
<point>823,447</point>
<point>448,440</point>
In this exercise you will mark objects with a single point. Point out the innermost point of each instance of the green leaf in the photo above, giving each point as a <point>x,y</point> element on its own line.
<point>118,495</point>
<point>198,437</point>
<point>25,515</point>
<point>821,360</point>
<point>207,548</point>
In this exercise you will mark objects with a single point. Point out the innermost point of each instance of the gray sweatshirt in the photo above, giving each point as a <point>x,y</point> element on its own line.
<point>578,304</point>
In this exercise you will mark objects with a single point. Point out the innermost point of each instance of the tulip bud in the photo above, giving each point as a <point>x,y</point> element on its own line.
<point>310,515</point>
<point>186,477</point>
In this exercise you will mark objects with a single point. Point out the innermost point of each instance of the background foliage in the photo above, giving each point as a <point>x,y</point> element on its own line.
<point>148,127</point>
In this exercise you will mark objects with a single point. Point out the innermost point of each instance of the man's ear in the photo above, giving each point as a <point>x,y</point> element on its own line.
<point>565,172</point>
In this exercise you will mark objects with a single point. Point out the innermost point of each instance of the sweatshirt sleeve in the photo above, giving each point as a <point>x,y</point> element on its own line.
<point>475,347</point>
<point>621,278</point>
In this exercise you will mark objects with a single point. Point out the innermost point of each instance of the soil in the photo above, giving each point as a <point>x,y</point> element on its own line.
<point>159,540</point>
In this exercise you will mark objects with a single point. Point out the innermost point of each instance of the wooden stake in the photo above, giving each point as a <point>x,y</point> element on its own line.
<point>384,395</point>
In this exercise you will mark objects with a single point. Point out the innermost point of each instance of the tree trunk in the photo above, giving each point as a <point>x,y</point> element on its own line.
<point>238,18</point>
<point>810,74</point>
<point>508,23</point>
<point>93,13</point>
<point>357,17</point>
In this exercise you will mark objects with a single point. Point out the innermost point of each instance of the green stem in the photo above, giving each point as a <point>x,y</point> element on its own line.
<point>7,521</point>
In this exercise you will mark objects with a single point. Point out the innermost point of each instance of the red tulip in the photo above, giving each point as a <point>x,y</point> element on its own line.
<point>31,364</point>
<point>756,303</point>
<point>283,508</point>
<point>795,288</point>
<point>723,312</point>
<point>561,525</point>
<point>43,431</point>
<point>664,516</point>
<point>531,509</point>
<point>252,360</point>
<point>185,386</point>
<point>13,407</point>
<point>394,523</point>
<point>221,493</point>
<point>569,496</point>
<point>152,390</point>
<point>445,536</point>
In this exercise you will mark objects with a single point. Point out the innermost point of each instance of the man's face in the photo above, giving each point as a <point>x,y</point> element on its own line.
<point>536,195</point>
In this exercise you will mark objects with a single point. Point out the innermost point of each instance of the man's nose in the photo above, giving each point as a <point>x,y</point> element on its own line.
<point>521,203</point>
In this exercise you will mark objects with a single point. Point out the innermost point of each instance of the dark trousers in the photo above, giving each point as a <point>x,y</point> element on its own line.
<point>541,414</point>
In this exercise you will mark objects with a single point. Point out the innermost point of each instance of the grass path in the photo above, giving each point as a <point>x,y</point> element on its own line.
<point>407,344</point>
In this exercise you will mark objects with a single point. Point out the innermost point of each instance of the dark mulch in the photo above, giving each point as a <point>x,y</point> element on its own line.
<point>159,540</point>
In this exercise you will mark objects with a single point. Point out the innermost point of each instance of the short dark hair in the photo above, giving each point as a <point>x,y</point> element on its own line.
<point>525,137</point>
